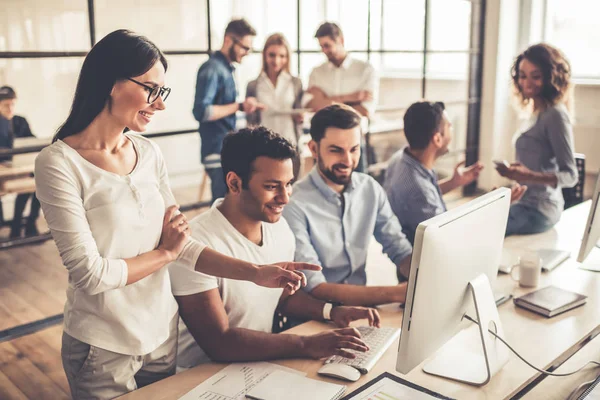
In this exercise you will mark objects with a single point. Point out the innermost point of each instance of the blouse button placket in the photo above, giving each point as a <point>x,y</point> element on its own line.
<point>138,197</point>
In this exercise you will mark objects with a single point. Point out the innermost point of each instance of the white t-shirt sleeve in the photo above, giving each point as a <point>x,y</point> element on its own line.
<point>185,281</point>
<point>190,253</point>
<point>59,194</point>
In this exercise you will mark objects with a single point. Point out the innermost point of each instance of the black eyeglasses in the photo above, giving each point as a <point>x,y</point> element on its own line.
<point>243,46</point>
<point>154,91</point>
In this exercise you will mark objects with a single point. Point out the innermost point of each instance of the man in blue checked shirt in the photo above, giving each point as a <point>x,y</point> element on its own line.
<point>410,181</point>
<point>215,102</point>
<point>335,211</point>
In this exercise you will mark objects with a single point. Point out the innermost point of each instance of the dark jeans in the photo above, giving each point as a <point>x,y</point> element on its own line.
<point>20,203</point>
<point>362,162</point>
<point>524,220</point>
<point>217,183</point>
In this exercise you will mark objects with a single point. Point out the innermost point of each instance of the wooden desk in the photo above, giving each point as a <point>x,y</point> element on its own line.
<point>559,388</point>
<point>16,179</point>
<point>544,342</point>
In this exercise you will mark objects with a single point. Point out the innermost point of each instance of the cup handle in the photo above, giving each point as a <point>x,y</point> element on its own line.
<point>513,269</point>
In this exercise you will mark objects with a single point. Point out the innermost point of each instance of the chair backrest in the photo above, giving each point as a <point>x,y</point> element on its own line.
<point>574,195</point>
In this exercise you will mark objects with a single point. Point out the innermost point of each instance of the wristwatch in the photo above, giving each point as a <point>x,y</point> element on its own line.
<point>327,307</point>
<point>241,106</point>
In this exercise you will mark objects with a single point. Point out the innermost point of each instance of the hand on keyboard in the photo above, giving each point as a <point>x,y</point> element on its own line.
<point>342,315</point>
<point>342,342</point>
<point>377,339</point>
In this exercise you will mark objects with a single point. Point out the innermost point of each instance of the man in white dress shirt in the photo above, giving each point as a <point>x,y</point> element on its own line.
<point>342,79</point>
<point>228,320</point>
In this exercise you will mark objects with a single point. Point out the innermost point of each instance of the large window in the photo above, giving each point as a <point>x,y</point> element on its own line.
<point>420,48</point>
<point>573,28</point>
<point>32,25</point>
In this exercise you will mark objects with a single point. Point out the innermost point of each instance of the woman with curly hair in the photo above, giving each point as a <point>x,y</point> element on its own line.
<point>544,144</point>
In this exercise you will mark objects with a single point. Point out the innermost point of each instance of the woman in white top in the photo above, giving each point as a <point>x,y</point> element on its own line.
<point>104,193</point>
<point>278,90</point>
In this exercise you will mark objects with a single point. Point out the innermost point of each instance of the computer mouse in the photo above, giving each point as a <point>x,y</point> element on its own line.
<point>340,371</point>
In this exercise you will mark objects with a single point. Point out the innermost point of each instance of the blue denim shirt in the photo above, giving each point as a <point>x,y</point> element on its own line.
<point>215,85</point>
<point>413,192</point>
<point>334,230</point>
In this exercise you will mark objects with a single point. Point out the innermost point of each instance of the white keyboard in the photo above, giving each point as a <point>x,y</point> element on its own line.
<point>378,340</point>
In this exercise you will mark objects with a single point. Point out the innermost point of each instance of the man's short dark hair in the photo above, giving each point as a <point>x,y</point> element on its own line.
<point>330,29</point>
<point>241,148</point>
<point>421,121</point>
<point>338,116</point>
<point>239,28</point>
<point>6,92</point>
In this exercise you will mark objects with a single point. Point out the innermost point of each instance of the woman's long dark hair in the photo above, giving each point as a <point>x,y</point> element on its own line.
<point>119,55</point>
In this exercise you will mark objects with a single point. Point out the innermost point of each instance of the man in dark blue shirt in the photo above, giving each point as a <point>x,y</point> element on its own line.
<point>215,102</point>
<point>13,126</point>
<point>411,183</point>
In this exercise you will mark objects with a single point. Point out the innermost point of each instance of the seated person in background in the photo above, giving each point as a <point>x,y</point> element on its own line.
<point>13,126</point>
<point>342,79</point>
<point>410,181</point>
<point>334,212</point>
<point>229,320</point>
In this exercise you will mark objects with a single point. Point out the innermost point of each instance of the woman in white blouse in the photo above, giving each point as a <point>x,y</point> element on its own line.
<point>104,193</point>
<point>278,90</point>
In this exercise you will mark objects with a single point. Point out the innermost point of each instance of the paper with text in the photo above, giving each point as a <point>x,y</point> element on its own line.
<point>234,381</point>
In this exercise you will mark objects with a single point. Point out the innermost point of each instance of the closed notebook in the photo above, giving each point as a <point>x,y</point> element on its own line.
<point>550,301</point>
<point>281,385</point>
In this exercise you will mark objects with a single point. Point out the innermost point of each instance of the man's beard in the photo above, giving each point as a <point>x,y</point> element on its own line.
<point>330,174</point>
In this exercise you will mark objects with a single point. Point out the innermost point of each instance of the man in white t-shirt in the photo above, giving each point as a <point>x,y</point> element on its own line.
<point>342,79</point>
<point>227,320</point>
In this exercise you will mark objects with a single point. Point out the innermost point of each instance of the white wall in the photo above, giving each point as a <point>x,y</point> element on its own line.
<point>587,124</point>
<point>498,119</point>
<point>503,41</point>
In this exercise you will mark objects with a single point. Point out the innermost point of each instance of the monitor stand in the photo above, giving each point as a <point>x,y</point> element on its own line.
<point>473,355</point>
<point>592,261</point>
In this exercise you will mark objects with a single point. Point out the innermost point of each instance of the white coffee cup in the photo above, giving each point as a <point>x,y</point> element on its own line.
<point>530,269</point>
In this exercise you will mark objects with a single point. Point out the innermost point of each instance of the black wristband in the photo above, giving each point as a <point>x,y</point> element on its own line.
<point>241,106</point>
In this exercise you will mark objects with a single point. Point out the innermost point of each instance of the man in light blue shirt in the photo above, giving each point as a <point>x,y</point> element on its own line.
<point>334,212</point>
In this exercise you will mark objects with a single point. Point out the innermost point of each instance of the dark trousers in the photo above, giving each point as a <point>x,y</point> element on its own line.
<point>20,203</point>
<point>217,183</point>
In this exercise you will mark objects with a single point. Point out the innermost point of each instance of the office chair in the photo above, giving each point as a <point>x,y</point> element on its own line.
<point>574,195</point>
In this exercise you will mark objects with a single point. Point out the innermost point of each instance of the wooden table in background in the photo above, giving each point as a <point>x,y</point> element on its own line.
<point>16,179</point>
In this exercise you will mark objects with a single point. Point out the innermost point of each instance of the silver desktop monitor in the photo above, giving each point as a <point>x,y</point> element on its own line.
<point>591,235</point>
<point>455,261</point>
